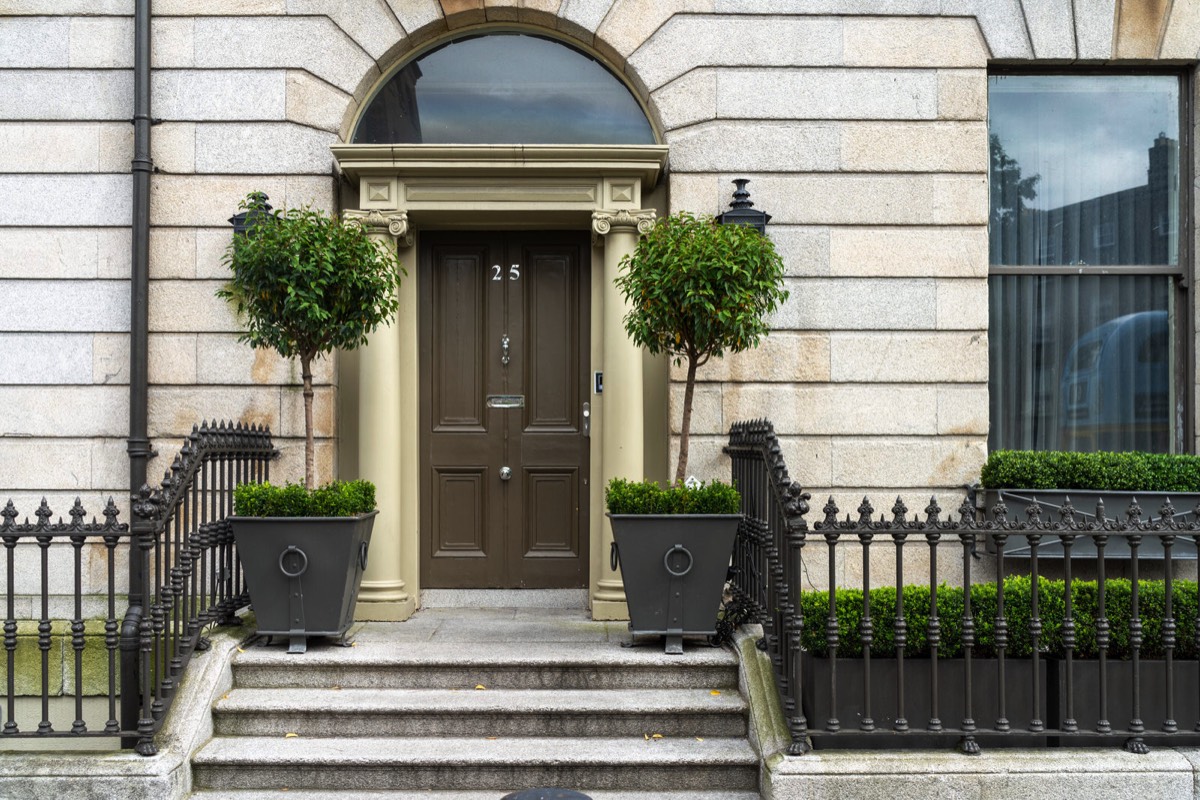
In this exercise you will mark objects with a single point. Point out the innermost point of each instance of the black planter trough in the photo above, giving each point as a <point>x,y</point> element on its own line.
<point>850,711</point>
<point>1152,688</point>
<point>303,573</point>
<point>674,568</point>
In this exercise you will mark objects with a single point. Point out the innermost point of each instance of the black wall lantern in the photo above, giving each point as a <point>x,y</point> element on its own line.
<point>243,221</point>
<point>741,210</point>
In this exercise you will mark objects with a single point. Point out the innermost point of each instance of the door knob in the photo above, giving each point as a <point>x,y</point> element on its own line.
<point>505,473</point>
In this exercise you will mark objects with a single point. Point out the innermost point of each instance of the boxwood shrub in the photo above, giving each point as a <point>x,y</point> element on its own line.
<point>1134,472</point>
<point>647,497</point>
<point>1017,591</point>
<point>336,499</point>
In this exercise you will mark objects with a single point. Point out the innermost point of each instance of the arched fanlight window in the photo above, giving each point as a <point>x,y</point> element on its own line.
<point>503,88</point>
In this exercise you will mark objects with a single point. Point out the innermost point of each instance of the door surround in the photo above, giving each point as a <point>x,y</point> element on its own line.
<point>403,189</point>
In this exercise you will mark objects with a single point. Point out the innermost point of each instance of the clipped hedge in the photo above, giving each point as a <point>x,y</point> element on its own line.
<point>1133,472</point>
<point>1017,590</point>
<point>336,499</point>
<point>647,497</point>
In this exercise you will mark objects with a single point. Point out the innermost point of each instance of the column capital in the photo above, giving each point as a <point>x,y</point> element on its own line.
<point>640,220</point>
<point>382,223</point>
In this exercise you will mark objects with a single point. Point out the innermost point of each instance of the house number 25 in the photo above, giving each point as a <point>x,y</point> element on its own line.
<point>514,272</point>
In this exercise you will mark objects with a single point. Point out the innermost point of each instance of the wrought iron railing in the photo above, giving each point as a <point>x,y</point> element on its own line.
<point>48,671</point>
<point>184,575</point>
<point>187,557</point>
<point>938,664</point>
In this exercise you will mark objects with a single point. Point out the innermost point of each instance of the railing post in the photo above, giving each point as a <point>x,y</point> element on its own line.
<point>135,672</point>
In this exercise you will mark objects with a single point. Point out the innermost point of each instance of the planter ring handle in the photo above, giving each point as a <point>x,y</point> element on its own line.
<point>667,560</point>
<point>303,562</point>
<point>614,558</point>
<point>362,555</point>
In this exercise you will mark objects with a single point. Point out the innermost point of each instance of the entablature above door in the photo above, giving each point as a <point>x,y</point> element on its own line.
<point>502,178</point>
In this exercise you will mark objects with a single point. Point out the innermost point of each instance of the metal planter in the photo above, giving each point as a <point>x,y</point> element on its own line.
<point>303,572</point>
<point>1119,689</point>
<point>674,568</point>
<point>850,710</point>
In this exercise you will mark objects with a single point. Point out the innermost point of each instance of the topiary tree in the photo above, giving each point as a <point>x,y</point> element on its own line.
<point>698,290</point>
<point>305,283</point>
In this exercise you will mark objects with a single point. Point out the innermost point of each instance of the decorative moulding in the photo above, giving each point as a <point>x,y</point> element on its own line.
<point>442,176</point>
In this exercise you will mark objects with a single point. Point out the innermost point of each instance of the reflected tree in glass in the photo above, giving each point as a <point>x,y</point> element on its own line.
<point>1011,195</point>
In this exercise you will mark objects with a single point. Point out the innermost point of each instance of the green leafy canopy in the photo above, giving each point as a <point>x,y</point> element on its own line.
<point>305,283</point>
<point>698,289</point>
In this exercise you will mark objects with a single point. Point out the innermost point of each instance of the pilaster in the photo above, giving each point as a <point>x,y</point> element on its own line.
<point>385,595</point>
<point>621,411</point>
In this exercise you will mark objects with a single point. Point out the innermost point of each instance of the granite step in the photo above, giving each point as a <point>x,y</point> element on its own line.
<point>718,764</point>
<point>496,666</point>
<point>436,794</point>
<point>502,712</point>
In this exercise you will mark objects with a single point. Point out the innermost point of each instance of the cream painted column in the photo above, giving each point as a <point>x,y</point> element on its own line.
<point>384,594</point>
<point>622,431</point>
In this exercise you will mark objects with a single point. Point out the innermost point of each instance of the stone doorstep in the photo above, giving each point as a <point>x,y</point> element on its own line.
<point>385,794</point>
<point>477,763</point>
<point>466,712</point>
<point>503,701</point>
<point>272,753</point>
<point>504,598</point>
<point>377,654</point>
<point>596,695</point>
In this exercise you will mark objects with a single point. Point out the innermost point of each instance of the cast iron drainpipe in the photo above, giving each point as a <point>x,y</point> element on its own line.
<point>136,622</point>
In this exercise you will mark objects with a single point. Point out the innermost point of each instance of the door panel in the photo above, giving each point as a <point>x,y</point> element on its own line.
<point>459,338</point>
<point>459,513</point>
<point>550,325</point>
<point>551,526</point>
<point>478,529</point>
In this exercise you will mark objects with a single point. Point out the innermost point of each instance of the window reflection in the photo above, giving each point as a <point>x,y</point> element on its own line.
<point>1081,362</point>
<point>504,88</point>
<point>1084,170</point>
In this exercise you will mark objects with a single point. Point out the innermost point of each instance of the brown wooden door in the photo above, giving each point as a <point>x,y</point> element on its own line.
<point>480,530</point>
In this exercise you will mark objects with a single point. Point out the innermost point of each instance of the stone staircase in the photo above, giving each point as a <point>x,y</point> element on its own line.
<point>392,718</point>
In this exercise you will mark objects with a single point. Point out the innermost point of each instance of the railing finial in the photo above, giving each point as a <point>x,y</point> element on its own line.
<point>1134,512</point>
<point>43,515</point>
<point>932,511</point>
<point>831,511</point>
<point>9,514</point>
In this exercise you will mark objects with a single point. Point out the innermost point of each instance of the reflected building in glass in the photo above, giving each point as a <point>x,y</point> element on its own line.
<point>1129,226</point>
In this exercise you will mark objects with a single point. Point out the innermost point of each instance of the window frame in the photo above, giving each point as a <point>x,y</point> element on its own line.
<point>1183,290</point>
<point>418,52</point>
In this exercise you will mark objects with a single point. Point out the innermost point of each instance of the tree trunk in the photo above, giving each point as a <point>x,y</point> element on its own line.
<point>310,478</point>
<point>685,426</point>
